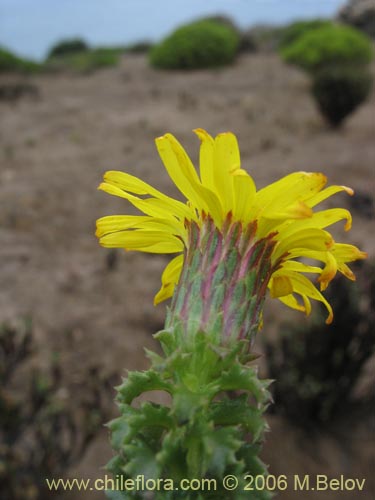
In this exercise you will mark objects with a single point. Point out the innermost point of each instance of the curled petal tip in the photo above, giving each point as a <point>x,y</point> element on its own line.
<point>160,138</point>
<point>200,132</point>
<point>329,319</point>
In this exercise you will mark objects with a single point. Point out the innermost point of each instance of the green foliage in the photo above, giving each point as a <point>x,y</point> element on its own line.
<point>294,31</point>
<point>223,20</point>
<point>329,45</point>
<point>202,44</point>
<point>9,62</point>
<point>85,62</point>
<point>207,431</point>
<point>68,47</point>
<point>317,367</point>
<point>75,55</point>
<point>338,91</point>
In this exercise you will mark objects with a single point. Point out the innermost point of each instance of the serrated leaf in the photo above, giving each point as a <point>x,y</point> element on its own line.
<point>120,429</point>
<point>242,378</point>
<point>141,460</point>
<point>238,412</point>
<point>139,382</point>
<point>156,359</point>
<point>149,415</point>
<point>167,338</point>
<point>221,446</point>
<point>115,465</point>
<point>254,466</point>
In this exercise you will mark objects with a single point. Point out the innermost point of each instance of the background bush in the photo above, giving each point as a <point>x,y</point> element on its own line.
<point>9,62</point>
<point>321,47</point>
<point>68,47</point>
<point>296,30</point>
<point>338,91</point>
<point>202,44</point>
<point>86,61</point>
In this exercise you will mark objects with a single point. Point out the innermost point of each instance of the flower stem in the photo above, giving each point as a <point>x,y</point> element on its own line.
<point>213,426</point>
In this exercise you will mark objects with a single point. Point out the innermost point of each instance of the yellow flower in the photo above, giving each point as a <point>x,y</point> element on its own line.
<point>222,189</point>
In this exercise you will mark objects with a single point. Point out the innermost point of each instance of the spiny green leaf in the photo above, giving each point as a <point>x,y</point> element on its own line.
<point>149,415</point>
<point>141,460</point>
<point>120,429</point>
<point>238,412</point>
<point>139,382</point>
<point>172,454</point>
<point>221,445</point>
<point>242,378</point>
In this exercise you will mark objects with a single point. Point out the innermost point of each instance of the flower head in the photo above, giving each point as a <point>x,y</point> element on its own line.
<point>223,197</point>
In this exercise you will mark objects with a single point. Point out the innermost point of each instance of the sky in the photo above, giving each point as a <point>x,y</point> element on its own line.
<point>30,27</point>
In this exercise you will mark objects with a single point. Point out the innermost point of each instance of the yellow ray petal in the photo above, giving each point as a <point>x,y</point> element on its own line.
<point>291,301</point>
<point>244,192</point>
<point>303,286</point>
<point>346,271</point>
<point>206,158</point>
<point>150,206</point>
<point>296,210</point>
<point>311,254</point>
<point>307,304</point>
<point>324,219</point>
<point>179,168</point>
<point>113,223</point>
<point>169,279</point>
<point>311,239</point>
<point>132,184</point>
<point>326,193</point>
<point>160,242</point>
<point>226,160</point>
<point>347,253</point>
<point>183,174</point>
<point>318,220</point>
<point>292,188</point>
<point>300,267</point>
<point>329,271</point>
<point>280,286</point>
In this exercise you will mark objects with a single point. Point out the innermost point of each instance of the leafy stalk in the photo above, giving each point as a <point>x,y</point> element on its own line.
<point>213,426</point>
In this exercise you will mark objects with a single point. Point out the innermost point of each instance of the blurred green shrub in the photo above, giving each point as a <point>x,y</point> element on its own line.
<point>9,62</point>
<point>86,61</point>
<point>68,47</point>
<point>317,366</point>
<point>292,32</point>
<point>223,20</point>
<point>339,90</point>
<point>329,45</point>
<point>201,44</point>
<point>336,58</point>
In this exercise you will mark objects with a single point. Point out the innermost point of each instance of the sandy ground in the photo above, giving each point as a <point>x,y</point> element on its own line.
<point>53,152</point>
